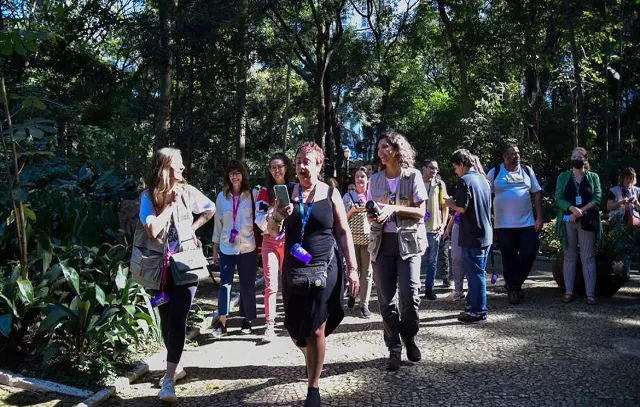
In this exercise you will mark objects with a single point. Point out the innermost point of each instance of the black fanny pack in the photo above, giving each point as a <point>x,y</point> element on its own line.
<point>310,276</point>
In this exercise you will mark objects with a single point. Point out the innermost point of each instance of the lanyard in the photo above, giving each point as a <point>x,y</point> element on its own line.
<point>304,215</point>
<point>236,205</point>
<point>575,181</point>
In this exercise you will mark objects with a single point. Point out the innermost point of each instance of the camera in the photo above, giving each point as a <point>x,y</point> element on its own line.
<point>373,210</point>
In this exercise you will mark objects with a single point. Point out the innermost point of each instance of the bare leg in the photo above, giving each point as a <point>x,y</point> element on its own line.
<point>171,370</point>
<point>316,347</point>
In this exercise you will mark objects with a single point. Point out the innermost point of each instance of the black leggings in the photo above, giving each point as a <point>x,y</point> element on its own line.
<point>173,316</point>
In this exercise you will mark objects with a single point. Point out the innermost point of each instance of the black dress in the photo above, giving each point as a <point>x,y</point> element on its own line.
<point>304,313</point>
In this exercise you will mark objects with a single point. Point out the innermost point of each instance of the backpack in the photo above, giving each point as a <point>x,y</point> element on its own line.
<point>496,171</point>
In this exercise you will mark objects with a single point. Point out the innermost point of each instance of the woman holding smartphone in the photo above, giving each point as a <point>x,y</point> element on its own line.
<point>313,278</point>
<point>272,245</point>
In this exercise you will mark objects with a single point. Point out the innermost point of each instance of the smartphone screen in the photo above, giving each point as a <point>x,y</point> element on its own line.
<point>282,195</point>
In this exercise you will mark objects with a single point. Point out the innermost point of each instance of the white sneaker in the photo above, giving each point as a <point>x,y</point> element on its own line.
<point>269,334</point>
<point>178,375</point>
<point>168,392</point>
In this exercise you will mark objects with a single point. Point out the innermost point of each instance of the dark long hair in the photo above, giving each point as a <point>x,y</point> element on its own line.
<point>406,153</point>
<point>235,165</point>
<point>288,175</point>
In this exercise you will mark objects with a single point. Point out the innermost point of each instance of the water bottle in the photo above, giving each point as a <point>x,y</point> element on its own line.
<point>494,277</point>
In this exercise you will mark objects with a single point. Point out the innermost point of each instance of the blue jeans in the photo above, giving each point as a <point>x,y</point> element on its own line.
<point>430,259</point>
<point>247,269</point>
<point>474,261</point>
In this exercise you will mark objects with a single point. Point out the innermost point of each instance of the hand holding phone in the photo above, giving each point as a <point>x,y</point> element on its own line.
<point>282,195</point>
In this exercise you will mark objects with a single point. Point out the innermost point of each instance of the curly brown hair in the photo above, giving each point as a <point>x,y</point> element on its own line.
<point>406,156</point>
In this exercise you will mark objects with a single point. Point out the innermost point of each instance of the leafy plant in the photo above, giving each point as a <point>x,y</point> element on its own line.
<point>20,305</point>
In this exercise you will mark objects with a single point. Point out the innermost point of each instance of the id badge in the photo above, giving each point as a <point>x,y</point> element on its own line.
<point>566,218</point>
<point>578,200</point>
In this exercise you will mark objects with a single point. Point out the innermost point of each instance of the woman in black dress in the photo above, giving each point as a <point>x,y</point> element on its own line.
<point>314,217</point>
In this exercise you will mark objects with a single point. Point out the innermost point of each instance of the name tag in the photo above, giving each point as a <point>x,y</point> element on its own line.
<point>578,200</point>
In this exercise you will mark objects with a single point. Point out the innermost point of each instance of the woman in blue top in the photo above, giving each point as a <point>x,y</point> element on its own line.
<point>167,189</point>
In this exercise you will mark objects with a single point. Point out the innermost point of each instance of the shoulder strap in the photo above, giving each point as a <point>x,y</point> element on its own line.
<point>253,204</point>
<point>527,170</point>
<point>330,197</point>
<point>496,171</point>
<point>351,197</point>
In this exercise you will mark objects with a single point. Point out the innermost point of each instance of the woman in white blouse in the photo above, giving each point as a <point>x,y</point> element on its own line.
<point>234,244</point>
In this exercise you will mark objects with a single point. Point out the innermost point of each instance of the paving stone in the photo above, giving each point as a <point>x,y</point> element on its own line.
<point>541,352</point>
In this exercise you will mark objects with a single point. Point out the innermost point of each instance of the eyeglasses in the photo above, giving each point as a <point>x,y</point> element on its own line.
<point>235,174</point>
<point>276,167</point>
<point>384,147</point>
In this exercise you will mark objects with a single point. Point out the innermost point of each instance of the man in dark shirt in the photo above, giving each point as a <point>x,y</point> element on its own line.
<point>473,201</point>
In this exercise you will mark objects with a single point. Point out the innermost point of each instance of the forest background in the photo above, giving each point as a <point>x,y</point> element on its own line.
<point>92,87</point>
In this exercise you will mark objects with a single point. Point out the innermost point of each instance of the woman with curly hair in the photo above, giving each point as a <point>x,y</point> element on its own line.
<point>399,241</point>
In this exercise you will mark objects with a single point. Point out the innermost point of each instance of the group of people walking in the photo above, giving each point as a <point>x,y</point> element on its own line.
<point>387,228</point>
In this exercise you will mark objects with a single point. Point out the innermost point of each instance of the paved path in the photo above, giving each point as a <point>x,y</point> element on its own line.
<point>541,352</point>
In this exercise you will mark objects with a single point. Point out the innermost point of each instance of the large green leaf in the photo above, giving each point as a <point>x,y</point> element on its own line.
<point>56,314</point>
<point>106,317</point>
<point>26,291</point>
<point>45,250</point>
<point>83,315</point>
<point>50,352</point>
<point>100,296</point>
<point>10,286</point>
<point>72,277</point>
<point>5,324</point>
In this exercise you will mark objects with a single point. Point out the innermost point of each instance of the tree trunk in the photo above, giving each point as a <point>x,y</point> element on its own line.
<point>241,80</point>
<point>18,208</point>
<point>605,66</point>
<point>330,149</point>
<point>577,75</point>
<point>619,88</point>
<point>459,54</point>
<point>163,117</point>
<point>385,84</point>
<point>285,116</point>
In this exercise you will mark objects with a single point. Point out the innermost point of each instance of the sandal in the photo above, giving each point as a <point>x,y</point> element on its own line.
<point>568,297</point>
<point>591,301</point>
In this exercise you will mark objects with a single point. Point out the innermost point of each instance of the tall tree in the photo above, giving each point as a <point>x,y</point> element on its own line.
<point>166,12</point>
<point>242,66</point>
<point>460,57</point>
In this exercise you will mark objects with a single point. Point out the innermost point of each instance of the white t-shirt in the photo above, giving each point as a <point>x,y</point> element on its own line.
<point>512,204</point>
<point>419,195</point>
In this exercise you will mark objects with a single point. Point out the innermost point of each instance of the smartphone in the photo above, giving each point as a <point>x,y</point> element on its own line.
<point>282,195</point>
